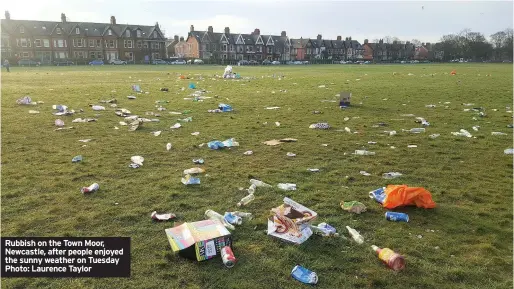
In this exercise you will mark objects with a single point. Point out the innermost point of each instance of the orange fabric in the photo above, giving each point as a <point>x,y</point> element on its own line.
<point>453,72</point>
<point>402,195</point>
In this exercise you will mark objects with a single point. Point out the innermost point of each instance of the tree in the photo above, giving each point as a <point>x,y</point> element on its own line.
<point>391,39</point>
<point>416,42</point>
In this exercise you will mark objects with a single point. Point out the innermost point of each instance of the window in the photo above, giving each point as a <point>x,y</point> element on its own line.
<point>213,47</point>
<point>61,55</point>
<point>139,43</point>
<point>248,48</point>
<point>91,43</point>
<point>37,42</point>
<point>80,54</point>
<point>204,47</point>
<point>224,47</point>
<point>77,30</point>
<point>59,43</point>
<point>259,48</point>
<point>231,47</point>
<point>127,43</point>
<point>240,48</point>
<point>109,32</point>
<point>46,43</point>
<point>78,42</point>
<point>98,43</point>
<point>127,33</point>
<point>22,29</point>
<point>58,30</point>
<point>92,55</point>
<point>23,42</point>
<point>138,32</point>
<point>270,49</point>
<point>111,43</point>
<point>100,55</point>
<point>25,55</point>
<point>145,44</point>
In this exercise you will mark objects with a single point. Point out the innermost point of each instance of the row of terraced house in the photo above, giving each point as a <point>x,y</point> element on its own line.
<point>48,41</point>
<point>209,45</point>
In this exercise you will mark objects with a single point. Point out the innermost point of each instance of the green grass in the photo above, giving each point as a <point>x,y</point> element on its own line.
<point>470,178</point>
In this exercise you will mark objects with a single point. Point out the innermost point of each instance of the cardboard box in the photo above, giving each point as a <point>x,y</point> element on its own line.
<point>291,222</point>
<point>199,241</point>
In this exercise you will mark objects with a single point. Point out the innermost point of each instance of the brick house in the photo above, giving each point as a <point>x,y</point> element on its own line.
<point>170,46</point>
<point>338,49</point>
<point>47,41</point>
<point>210,45</point>
<point>299,48</point>
<point>181,49</point>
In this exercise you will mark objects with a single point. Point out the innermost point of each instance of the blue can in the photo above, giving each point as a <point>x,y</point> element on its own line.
<point>397,217</point>
<point>378,195</point>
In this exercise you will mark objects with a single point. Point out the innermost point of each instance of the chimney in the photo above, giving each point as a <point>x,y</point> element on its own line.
<point>176,38</point>
<point>407,43</point>
<point>113,20</point>
<point>283,33</point>
<point>381,41</point>
<point>339,38</point>
<point>63,18</point>
<point>350,38</point>
<point>257,31</point>
<point>182,38</point>
<point>156,24</point>
<point>210,29</point>
<point>365,41</point>
<point>191,28</point>
<point>7,15</point>
<point>227,30</point>
<point>346,38</point>
<point>319,37</point>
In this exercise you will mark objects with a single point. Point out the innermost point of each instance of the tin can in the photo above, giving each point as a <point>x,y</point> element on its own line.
<point>228,257</point>
<point>397,217</point>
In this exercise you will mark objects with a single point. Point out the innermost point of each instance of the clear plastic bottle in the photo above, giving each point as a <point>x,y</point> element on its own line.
<point>246,200</point>
<point>355,235</point>
<point>243,214</point>
<point>258,183</point>
<point>252,188</point>
<point>417,130</point>
<point>212,215</point>
<point>363,153</point>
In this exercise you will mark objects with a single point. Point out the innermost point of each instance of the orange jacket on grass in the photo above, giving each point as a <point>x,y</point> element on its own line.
<point>402,195</point>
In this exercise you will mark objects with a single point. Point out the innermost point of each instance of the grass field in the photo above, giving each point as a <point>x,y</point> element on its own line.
<point>470,178</point>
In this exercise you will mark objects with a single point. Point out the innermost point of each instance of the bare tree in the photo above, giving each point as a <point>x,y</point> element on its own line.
<point>391,39</point>
<point>416,42</point>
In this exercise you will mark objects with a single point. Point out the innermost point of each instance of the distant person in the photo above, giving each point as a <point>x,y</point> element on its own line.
<point>6,65</point>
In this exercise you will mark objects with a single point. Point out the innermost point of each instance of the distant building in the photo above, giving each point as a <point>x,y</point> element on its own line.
<point>47,41</point>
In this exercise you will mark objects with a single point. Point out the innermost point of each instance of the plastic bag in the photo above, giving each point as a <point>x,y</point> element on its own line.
<point>403,195</point>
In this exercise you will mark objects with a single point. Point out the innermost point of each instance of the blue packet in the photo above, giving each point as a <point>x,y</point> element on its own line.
<point>225,107</point>
<point>304,275</point>
<point>378,195</point>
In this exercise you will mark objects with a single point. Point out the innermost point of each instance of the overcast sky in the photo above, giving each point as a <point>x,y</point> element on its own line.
<point>423,20</point>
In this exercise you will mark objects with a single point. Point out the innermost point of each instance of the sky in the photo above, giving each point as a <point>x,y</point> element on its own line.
<point>426,21</point>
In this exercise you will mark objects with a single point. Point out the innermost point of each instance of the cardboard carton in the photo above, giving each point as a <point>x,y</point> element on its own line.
<point>199,241</point>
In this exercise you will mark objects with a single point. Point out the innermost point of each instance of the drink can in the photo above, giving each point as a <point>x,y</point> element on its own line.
<point>228,257</point>
<point>304,275</point>
<point>397,217</point>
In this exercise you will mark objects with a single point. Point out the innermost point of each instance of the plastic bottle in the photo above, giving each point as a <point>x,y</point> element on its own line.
<point>243,214</point>
<point>98,107</point>
<point>393,260</point>
<point>258,183</point>
<point>212,215</point>
<point>364,153</point>
<point>355,235</point>
<point>252,188</point>
<point>417,130</point>
<point>246,200</point>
